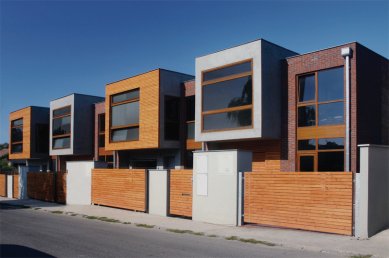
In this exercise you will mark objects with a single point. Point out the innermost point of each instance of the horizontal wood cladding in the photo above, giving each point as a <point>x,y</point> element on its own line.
<point>181,192</point>
<point>3,185</point>
<point>149,87</point>
<point>193,145</point>
<point>310,132</point>
<point>317,201</point>
<point>50,187</point>
<point>15,192</point>
<point>266,153</point>
<point>121,188</point>
<point>24,113</point>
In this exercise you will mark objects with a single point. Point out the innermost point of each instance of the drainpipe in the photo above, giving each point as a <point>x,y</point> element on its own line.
<point>347,53</point>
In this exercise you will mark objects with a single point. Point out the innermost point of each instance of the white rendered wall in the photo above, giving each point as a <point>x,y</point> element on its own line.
<point>79,182</point>
<point>215,185</point>
<point>158,192</point>
<point>372,191</point>
<point>9,186</point>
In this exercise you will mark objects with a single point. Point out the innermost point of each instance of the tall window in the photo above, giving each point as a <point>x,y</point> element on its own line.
<point>17,136</point>
<point>227,97</point>
<point>101,130</point>
<point>61,128</point>
<point>172,118</point>
<point>125,116</point>
<point>320,103</point>
<point>190,117</point>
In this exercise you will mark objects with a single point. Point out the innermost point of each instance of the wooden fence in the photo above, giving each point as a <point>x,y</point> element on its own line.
<point>121,188</point>
<point>181,192</point>
<point>3,185</point>
<point>15,192</point>
<point>50,186</point>
<point>310,201</point>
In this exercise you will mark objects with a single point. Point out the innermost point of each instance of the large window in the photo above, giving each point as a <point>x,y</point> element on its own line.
<point>320,103</point>
<point>227,97</point>
<point>321,98</point>
<point>61,131</point>
<point>172,118</point>
<point>17,136</point>
<point>125,116</point>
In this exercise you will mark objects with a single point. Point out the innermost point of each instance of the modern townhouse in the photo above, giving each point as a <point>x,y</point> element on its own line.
<point>143,123</point>
<point>72,129</point>
<point>29,138</point>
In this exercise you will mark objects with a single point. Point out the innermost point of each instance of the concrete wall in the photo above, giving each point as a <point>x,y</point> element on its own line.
<point>9,186</point>
<point>79,182</point>
<point>215,185</point>
<point>158,192</point>
<point>372,191</point>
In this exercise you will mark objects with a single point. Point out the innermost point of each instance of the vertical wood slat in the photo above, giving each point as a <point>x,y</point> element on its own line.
<point>310,201</point>
<point>120,188</point>
<point>3,187</point>
<point>181,192</point>
<point>15,192</point>
<point>41,186</point>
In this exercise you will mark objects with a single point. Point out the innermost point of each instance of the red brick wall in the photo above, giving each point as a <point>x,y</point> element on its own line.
<point>311,62</point>
<point>189,87</point>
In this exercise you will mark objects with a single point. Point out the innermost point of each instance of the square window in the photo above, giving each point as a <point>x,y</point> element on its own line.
<point>331,161</point>
<point>331,113</point>
<point>307,116</point>
<point>307,163</point>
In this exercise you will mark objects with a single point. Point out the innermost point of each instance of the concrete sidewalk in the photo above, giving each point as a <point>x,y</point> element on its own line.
<point>378,246</point>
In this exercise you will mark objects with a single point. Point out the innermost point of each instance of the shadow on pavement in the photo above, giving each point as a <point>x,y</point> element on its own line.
<point>21,251</point>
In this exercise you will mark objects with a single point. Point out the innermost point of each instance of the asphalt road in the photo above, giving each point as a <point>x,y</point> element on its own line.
<point>34,233</point>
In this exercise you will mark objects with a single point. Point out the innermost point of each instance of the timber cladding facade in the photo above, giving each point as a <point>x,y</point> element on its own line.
<point>29,133</point>
<point>181,189</point>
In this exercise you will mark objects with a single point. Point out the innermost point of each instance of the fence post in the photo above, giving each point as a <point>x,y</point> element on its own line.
<point>240,197</point>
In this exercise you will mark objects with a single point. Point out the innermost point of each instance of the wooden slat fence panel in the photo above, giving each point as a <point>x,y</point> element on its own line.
<point>181,192</point>
<point>47,186</point>
<point>121,188</point>
<point>15,192</point>
<point>310,201</point>
<point>3,186</point>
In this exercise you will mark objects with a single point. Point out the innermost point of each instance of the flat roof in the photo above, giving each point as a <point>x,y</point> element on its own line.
<point>28,107</point>
<point>76,94</point>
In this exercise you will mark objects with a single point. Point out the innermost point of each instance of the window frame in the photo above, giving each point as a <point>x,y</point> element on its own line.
<point>66,135</point>
<point>315,102</point>
<point>231,109</point>
<point>12,143</point>
<point>128,126</point>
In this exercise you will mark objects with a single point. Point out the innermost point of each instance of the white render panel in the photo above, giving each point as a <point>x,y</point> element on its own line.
<point>158,192</point>
<point>55,104</point>
<point>232,55</point>
<point>9,186</point>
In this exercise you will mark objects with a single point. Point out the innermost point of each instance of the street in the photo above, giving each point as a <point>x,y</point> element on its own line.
<point>26,232</point>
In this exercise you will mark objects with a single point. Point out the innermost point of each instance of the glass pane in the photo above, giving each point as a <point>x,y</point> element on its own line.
<point>101,140</point>
<point>190,108</point>
<point>17,148</point>
<point>307,144</point>
<point>125,114</point>
<point>127,134</point>
<point>231,93</point>
<point>61,143</point>
<point>330,84</point>
<point>190,130</point>
<point>331,143</point>
<point>331,161</point>
<point>134,94</point>
<point>61,125</point>
<point>101,122</point>
<point>17,134</point>
<point>228,120</point>
<point>306,163</point>
<point>62,111</point>
<point>227,71</point>
<point>306,116</point>
<point>307,88</point>
<point>331,114</point>
<point>18,122</point>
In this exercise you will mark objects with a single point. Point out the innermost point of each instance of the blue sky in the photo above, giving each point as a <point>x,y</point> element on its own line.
<point>50,49</point>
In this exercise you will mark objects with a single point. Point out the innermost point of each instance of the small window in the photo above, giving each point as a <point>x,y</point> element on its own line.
<point>307,116</point>
<point>227,71</point>
<point>127,134</point>
<point>307,144</point>
<point>190,130</point>
<point>61,143</point>
<point>331,161</point>
<point>331,113</point>
<point>307,88</point>
<point>228,120</point>
<point>331,144</point>
<point>17,122</point>
<point>307,163</point>
<point>126,96</point>
<point>17,148</point>
<point>61,125</point>
<point>62,111</point>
